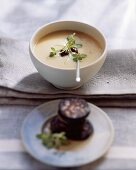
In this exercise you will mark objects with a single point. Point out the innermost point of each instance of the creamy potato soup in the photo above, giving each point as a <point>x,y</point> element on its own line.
<point>57,42</point>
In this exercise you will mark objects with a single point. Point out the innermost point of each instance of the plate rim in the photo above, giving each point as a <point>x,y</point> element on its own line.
<point>112,134</point>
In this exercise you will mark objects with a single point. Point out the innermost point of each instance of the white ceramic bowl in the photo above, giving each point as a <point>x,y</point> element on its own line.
<point>66,78</point>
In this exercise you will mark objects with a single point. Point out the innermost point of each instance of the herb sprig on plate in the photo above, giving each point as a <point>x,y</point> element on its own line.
<point>53,140</point>
<point>70,48</point>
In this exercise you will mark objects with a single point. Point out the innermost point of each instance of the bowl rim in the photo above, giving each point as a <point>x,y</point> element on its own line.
<point>70,21</point>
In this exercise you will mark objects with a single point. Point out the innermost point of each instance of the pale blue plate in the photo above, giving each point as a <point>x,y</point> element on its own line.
<point>76,153</point>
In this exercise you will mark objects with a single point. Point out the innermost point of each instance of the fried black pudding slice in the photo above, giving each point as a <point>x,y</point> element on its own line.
<point>79,132</point>
<point>73,109</point>
<point>57,125</point>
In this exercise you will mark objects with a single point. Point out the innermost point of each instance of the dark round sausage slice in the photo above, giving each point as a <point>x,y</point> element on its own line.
<point>57,125</point>
<point>82,133</point>
<point>75,133</point>
<point>73,109</point>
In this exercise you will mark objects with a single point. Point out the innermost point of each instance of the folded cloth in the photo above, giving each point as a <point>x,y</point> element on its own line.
<point>20,83</point>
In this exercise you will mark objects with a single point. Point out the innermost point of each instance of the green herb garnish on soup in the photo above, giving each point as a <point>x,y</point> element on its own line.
<point>69,49</point>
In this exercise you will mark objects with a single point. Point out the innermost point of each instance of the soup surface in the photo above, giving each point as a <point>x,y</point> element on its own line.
<point>57,39</point>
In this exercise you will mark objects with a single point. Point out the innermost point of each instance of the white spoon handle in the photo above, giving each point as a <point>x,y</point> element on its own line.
<point>78,72</point>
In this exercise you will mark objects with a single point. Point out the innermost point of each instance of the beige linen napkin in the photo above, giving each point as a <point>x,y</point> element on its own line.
<point>20,83</point>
